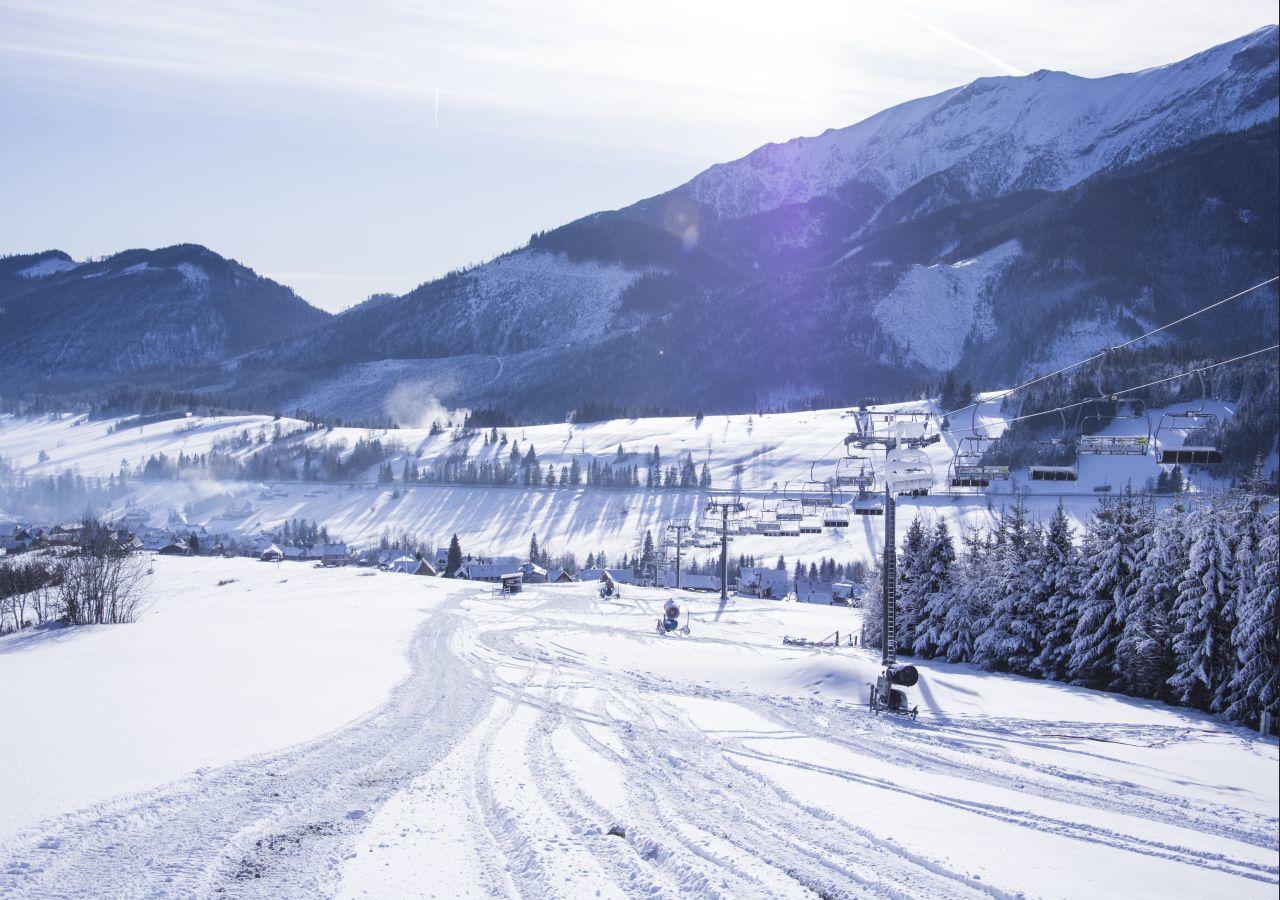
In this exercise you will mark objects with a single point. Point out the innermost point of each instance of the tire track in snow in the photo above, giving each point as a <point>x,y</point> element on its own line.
<point>804,849</point>
<point>276,825</point>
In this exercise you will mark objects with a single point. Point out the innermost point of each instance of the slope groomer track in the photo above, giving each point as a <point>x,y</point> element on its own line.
<point>551,744</point>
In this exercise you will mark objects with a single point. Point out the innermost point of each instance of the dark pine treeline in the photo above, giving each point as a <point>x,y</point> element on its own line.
<point>1177,604</point>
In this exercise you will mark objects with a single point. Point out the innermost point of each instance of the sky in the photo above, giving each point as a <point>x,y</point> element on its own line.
<point>348,149</point>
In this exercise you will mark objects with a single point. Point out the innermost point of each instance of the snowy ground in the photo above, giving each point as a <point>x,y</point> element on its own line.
<point>259,745</point>
<point>753,453</point>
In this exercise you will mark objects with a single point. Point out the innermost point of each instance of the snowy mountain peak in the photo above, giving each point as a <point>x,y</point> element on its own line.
<point>1044,130</point>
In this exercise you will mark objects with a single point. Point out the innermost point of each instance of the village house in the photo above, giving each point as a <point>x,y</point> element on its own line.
<point>764,582</point>
<point>334,554</point>
<point>408,565</point>
<point>809,590</point>
<point>533,573</point>
<point>479,571</point>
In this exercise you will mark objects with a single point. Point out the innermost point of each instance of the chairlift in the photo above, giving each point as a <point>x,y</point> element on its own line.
<point>909,472</point>
<point>789,510</point>
<point>914,427</point>
<point>1136,443</point>
<point>836,516</point>
<point>869,505</point>
<point>1199,446</point>
<point>1055,448</point>
<point>868,501</point>
<point>966,469</point>
<point>854,471</point>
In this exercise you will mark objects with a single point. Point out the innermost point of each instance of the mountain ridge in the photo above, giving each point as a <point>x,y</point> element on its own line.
<point>861,261</point>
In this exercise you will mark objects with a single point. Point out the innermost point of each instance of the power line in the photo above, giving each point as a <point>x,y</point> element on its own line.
<point>1106,350</point>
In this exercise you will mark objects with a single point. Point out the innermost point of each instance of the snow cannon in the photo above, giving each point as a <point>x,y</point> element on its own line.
<point>670,620</point>
<point>887,694</point>
<point>903,676</point>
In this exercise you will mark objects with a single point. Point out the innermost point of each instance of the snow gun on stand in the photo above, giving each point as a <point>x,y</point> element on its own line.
<point>609,588</point>
<point>670,620</point>
<point>887,694</point>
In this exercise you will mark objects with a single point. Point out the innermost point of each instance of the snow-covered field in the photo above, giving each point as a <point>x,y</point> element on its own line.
<point>302,732</point>
<point>760,455</point>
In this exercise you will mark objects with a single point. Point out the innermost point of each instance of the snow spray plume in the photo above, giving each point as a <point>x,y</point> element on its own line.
<point>413,404</point>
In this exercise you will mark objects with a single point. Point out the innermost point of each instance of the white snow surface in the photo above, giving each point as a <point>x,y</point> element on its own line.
<point>1084,337</point>
<point>195,275</point>
<point>209,674</point>
<point>586,294</point>
<point>49,266</point>
<point>1045,130</point>
<point>932,310</point>
<point>526,728</point>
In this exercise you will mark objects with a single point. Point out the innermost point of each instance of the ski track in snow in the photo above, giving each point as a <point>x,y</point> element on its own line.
<point>500,765</point>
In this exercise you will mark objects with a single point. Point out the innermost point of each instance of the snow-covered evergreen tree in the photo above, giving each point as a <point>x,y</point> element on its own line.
<point>1110,571</point>
<point>1057,597</point>
<point>964,611</point>
<point>1204,612</point>
<point>1010,638</point>
<point>910,603</point>
<point>1146,639</point>
<point>1256,681</point>
<point>870,601</point>
<point>933,587</point>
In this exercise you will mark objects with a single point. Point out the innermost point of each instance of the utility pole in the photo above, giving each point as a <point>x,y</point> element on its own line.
<point>679,529</point>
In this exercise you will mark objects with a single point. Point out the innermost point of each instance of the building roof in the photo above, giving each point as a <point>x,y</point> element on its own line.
<point>475,570</point>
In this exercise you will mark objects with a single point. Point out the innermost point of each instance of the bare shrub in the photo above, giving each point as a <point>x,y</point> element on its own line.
<point>26,592</point>
<point>100,588</point>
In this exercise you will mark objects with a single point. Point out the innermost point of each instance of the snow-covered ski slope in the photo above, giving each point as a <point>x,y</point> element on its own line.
<point>760,455</point>
<point>528,728</point>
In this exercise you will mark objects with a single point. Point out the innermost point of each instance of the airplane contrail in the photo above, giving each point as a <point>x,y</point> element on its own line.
<point>943,33</point>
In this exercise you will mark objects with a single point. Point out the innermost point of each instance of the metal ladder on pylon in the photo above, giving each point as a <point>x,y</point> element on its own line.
<point>889,639</point>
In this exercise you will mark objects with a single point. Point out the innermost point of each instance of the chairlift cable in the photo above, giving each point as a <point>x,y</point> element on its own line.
<point>1106,350</point>
<point>1130,390</point>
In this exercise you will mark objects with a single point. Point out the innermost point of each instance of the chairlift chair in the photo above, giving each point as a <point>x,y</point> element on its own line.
<point>789,510</point>
<point>966,469</point>
<point>868,501</point>
<point>868,505</point>
<point>1136,444</point>
<point>916,427</point>
<point>909,471</point>
<point>836,516</point>
<point>1054,448</point>
<point>1200,431</point>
